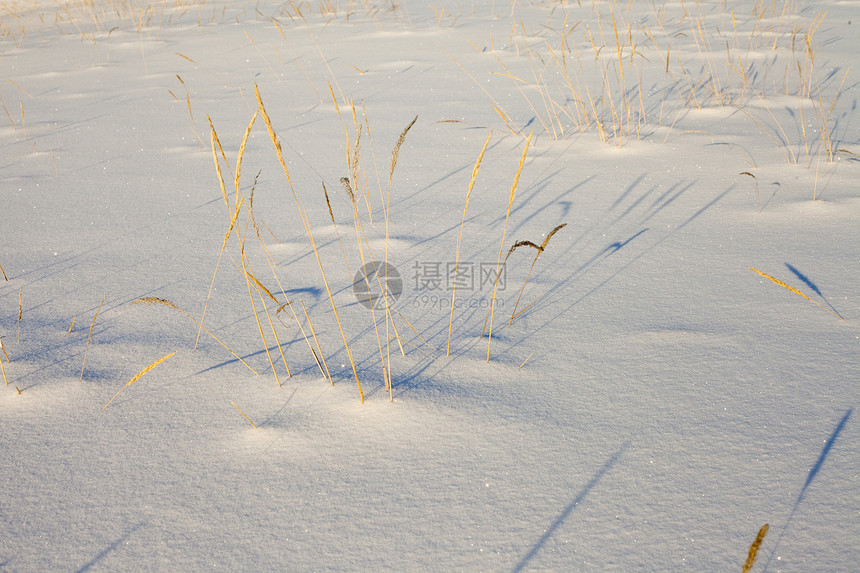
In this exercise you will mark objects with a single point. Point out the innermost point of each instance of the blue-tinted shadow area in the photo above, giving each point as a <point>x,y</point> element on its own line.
<point>809,478</point>
<point>110,548</point>
<point>808,282</point>
<point>569,509</point>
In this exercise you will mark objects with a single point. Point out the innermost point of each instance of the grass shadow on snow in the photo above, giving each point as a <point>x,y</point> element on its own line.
<point>570,507</point>
<point>812,473</point>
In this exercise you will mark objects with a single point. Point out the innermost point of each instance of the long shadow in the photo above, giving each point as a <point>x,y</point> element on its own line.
<point>806,280</point>
<point>252,354</point>
<point>812,473</point>
<point>110,548</point>
<point>552,296</point>
<point>570,507</point>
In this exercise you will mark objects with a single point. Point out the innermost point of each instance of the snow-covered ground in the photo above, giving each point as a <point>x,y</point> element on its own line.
<point>654,406</point>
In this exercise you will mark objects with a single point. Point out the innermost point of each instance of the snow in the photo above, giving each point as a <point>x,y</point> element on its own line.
<point>654,408</point>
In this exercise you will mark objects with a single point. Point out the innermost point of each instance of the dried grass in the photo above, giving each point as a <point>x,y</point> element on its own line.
<point>280,155</point>
<point>794,290</point>
<point>149,300</point>
<point>243,415</point>
<point>2,368</point>
<point>475,170</point>
<point>20,310</point>
<point>317,342</point>
<point>754,549</point>
<point>502,245</point>
<point>90,336</point>
<point>540,249</point>
<point>138,376</point>
<point>755,181</point>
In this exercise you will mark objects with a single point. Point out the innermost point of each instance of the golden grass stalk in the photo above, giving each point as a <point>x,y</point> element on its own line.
<point>502,245</point>
<point>794,290</point>
<point>336,231</point>
<point>71,326</point>
<point>229,232</point>
<point>396,152</point>
<point>317,342</point>
<point>260,326</point>
<point>243,415</point>
<point>270,260</point>
<point>214,142</point>
<point>540,248</point>
<point>20,310</point>
<point>151,299</point>
<point>241,154</point>
<point>509,123</point>
<point>138,376</point>
<point>2,369</point>
<point>526,360</point>
<point>3,273</point>
<point>412,328</point>
<point>754,548</point>
<point>306,223</point>
<point>394,326</point>
<point>90,336</point>
<point>388,319</point>
<point>348,188</point>
<point>236,200</point>
<point>260,289</point>
<point>475,170</point>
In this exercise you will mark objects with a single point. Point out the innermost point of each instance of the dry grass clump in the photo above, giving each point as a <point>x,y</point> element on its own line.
<point>588,78</point>
<point>302,11</point>
<point>357,190</point>
<point>305,222</point>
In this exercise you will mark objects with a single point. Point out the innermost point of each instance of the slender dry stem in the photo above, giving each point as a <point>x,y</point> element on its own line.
<point>90,336</point>
<point>460,237</point>
<point>540,249</point>
<point>151,299</point>
<point>138,376</point>
<point>755,181</point>
<point>243,415</point>
<point>317,342</point>
<point>20,310</point>
<point>502,245</point>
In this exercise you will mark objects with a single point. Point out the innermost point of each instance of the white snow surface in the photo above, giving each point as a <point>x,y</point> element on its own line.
<point>651,411</point>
